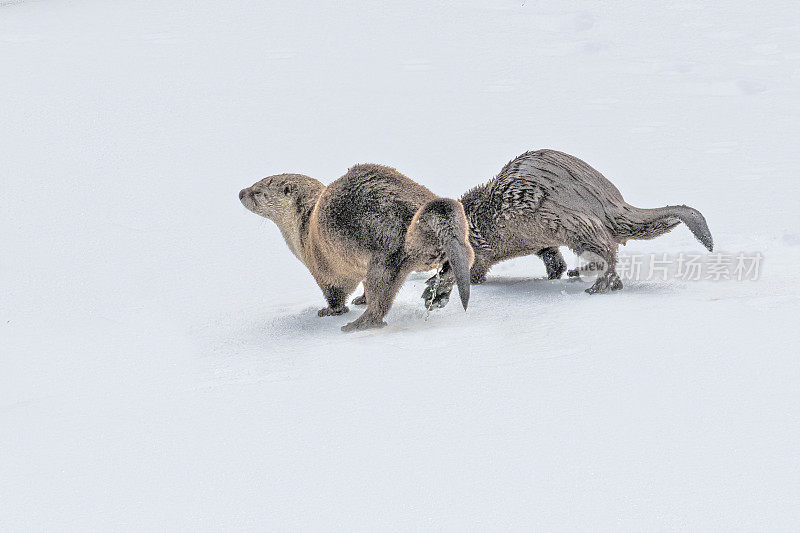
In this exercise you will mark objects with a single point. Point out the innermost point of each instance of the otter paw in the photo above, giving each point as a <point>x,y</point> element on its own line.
<point>432,292</point>
<point>436,300</point>
<point>328,311</point>
<point>428,293</point>
<point>361,300</point>
<point>605,284</point>
<point>573,273</point>
<point>477,279</point>
<point>362,323</point>
<point>439,301</point>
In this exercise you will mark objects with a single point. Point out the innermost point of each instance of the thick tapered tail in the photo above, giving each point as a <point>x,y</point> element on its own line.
<point>460,261</point>
<point>441,223</point>
<point>635,223</point>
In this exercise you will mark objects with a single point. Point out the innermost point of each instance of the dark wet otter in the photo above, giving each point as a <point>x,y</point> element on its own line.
<point>545,199</point>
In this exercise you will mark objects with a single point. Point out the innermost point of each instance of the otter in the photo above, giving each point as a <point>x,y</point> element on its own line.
<point>545,199</point>
<point>373,225</point>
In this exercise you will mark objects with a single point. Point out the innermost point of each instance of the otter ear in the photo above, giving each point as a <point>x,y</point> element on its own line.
<point>286,189</point>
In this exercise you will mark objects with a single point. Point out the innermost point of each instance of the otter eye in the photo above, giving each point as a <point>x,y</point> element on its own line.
<point>286,189</point>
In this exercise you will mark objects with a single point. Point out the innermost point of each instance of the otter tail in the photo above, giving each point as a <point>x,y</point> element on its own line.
<point>441,225</point>
<point>635,223</point>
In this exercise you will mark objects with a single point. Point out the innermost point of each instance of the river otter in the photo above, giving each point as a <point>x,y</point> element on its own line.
<point>373,225</point>
<point>545,199</point>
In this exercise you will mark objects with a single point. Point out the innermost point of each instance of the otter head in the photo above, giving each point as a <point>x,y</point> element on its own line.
<point>287,200</point>
<point>275,196</point>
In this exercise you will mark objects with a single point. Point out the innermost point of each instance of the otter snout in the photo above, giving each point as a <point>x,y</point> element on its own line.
<point>247,197</point>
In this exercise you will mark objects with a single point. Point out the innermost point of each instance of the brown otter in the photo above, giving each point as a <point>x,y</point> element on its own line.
<point>373,225</point>
<point>544,199</point>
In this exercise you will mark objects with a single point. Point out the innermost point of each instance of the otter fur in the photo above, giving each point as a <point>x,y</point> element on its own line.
<point>373,225</point>
<point>545,199</point>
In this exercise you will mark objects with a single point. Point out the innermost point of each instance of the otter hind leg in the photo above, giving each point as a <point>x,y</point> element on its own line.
<point>609,280</point>
<point>553,262</point>
<point>336,297</point>
<point>595,239</point>
<point>384,278</point>
<point>360,300</point>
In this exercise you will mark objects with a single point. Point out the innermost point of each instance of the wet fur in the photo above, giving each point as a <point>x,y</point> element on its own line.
<point>545,199</point>
<point>373,225</point>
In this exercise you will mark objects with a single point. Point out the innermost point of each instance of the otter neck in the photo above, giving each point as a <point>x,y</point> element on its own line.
<point>290,230</point>
<point>293,224</point>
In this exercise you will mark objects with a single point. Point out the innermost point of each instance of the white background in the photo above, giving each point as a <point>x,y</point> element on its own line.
<point>161,362</point>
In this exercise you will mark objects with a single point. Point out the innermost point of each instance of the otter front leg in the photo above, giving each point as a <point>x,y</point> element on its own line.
<point>553,262</point>
<point>336,297</point>
<point>384,278</point>
<point>481,266</point>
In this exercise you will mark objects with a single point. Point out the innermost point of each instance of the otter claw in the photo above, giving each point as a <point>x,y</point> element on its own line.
<point>440,301</point>
<point>428,293</point>
<point>435,301</point>
<point>327,311</point>
<point>605,284</point>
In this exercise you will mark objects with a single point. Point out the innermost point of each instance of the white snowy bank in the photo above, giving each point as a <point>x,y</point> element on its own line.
<point>162,366</point>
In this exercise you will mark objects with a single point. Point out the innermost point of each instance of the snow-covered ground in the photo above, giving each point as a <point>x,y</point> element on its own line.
<point>162,366</point>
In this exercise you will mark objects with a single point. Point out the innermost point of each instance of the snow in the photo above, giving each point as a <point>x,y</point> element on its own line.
<point>162,365</point>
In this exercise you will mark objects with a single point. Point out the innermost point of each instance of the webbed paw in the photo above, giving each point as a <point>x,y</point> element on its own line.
<point>606,283</point>
<point>327,311</point>
<point>436,297</point>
